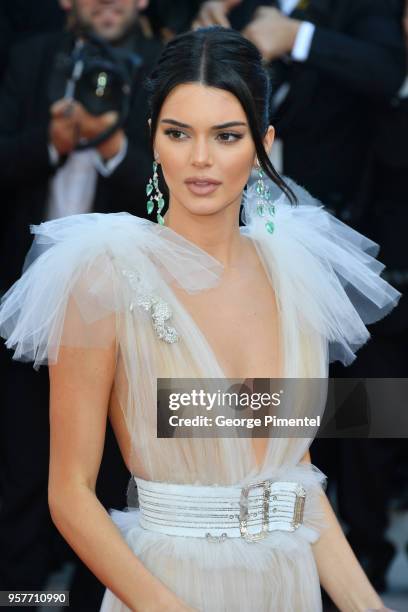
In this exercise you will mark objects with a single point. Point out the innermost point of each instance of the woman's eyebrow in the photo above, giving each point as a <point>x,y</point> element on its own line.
<point>214,127</point>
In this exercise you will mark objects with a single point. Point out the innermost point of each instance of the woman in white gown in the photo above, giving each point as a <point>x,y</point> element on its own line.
<point>111,302</point>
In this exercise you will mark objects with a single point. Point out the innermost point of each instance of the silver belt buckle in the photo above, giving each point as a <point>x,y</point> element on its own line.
<point>298,511</point>
<point>244,511</point>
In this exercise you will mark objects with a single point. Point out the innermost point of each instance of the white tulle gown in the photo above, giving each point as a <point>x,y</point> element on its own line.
<point>85,281</point>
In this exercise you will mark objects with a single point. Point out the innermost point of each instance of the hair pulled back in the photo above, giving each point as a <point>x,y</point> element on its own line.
<point>222,58</point>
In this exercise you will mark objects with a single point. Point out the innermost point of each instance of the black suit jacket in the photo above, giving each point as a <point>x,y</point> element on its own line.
<point>356,62</point>
<point>25,168</point>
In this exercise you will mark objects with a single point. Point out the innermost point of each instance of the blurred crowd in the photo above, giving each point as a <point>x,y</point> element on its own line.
<point>340,109</point>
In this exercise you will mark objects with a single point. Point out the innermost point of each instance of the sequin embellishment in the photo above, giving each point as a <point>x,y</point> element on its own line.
<point>160,310</point>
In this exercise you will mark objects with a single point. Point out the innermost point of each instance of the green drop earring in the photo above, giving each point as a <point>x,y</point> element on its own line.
<point>152,185</point>
<point>264,205</point>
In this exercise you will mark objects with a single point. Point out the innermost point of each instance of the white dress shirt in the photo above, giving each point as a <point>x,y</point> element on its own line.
<point>303,41</point>
<point>72,189</point>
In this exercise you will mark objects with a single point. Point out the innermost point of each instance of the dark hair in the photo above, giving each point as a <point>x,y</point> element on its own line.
<point>223,58</point>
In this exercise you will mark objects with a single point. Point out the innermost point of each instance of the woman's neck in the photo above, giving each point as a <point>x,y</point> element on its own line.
<point>218,234</point>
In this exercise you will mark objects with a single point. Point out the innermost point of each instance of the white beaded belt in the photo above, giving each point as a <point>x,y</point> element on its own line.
<point>217,512</point>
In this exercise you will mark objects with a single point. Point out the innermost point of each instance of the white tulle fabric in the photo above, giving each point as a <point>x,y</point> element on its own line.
<point>326,267</point>
<point>75,291</point>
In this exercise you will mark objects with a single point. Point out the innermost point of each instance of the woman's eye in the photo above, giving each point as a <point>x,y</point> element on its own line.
<point>175,134</point>
<point>225,137</point>
<point>229,136</point>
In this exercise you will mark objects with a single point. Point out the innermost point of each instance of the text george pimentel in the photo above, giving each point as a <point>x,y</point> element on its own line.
<point>249,422</point>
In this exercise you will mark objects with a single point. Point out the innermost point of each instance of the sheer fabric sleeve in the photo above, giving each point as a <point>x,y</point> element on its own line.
<point>323,267</point>
<point>75,289</point>
<point>68,295</point>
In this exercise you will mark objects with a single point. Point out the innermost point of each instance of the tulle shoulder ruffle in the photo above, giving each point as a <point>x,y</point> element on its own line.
<point>325,273</point>
<point>75,283</point>
<point>73,287</point>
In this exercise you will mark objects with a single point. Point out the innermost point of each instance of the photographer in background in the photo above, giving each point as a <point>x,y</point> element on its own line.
<point>39,132</point>
<point>40,129</point>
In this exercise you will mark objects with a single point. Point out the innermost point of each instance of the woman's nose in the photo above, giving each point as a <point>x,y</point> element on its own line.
<point>201,154</point>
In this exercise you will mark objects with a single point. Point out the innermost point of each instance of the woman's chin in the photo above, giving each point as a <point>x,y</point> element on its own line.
<point>205,209</point>
<point>203,206</point>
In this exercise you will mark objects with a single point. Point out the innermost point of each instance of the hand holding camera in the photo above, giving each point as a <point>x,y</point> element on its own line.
<point>90,89</point>
<point>71,123</point>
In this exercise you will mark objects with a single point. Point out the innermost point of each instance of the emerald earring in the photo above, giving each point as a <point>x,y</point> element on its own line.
<point>264,205</point>
<point>152,185</point>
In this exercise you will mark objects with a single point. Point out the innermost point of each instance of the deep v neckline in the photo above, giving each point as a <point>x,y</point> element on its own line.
<point>260,259</point>
<point>258,465</point>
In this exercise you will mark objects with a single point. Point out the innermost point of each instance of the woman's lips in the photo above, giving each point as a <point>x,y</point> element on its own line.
<point>202,187</point>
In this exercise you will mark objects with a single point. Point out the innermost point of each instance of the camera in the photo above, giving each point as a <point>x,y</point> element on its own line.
<point>97,75</point>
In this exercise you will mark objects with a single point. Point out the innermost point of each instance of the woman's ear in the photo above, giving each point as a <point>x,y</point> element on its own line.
<point>269,138</point>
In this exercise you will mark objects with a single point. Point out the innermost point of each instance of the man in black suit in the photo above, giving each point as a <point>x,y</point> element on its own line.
<point>371,472</point>
<point>49,178</point>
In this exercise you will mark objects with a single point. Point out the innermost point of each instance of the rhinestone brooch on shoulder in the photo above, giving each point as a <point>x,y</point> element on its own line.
<point>159,309</point>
